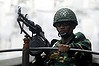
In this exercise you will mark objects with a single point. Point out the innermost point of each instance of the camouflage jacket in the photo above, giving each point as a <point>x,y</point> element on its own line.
<point>72,58</point>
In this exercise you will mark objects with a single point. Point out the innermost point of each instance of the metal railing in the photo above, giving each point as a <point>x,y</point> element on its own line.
<point>49,48</point>
<point>25,52</point>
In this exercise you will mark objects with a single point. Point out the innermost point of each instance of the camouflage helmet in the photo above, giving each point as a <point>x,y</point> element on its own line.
<point>65,15</point>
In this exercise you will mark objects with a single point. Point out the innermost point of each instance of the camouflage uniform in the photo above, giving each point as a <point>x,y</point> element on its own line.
<point>72,58</point>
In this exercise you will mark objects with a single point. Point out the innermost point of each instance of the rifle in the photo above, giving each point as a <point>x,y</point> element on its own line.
<point>34,28</point>
<point>37,39</point>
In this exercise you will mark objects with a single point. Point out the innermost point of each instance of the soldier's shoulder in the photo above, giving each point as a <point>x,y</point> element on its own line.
<point>79,36</point>
<point>53,41</point>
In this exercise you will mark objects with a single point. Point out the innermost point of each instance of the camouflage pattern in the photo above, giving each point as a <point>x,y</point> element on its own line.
<point>72,58</point>
<point>65,15</point>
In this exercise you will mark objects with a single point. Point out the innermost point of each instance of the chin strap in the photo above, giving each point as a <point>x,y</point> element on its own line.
<point>61,34</point>
<point>64,35</point>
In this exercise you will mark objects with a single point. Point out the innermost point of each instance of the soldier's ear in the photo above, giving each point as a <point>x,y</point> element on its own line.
<point>57,29</point>
<point>74,26</point>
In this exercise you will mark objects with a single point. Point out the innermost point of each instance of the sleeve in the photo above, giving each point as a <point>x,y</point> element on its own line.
<point>81,43</point>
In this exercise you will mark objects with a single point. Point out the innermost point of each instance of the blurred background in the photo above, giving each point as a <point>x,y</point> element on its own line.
<point>42,13</point>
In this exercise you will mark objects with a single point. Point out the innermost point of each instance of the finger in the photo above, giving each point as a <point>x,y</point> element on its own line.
<point>60,47</point>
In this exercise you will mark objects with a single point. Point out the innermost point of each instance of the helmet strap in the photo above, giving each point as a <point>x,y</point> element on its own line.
<point>63,35</point>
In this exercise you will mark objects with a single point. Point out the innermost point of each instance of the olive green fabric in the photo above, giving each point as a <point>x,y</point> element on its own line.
<point>72,58</point>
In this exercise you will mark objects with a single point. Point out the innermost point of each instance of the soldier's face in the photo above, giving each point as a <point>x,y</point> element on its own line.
<point>64,27</point>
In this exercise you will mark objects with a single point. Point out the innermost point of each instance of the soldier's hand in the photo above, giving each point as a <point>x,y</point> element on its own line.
<point>63,48</point>
<point>26,39</point>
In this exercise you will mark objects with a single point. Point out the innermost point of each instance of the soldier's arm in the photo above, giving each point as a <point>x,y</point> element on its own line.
<point>85,44</point>
<point>81,42</point>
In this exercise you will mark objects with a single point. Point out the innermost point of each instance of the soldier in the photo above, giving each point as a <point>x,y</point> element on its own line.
<point>65,22</point>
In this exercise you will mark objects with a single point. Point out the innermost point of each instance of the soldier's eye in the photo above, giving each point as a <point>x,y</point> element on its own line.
<point>62,24</point>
